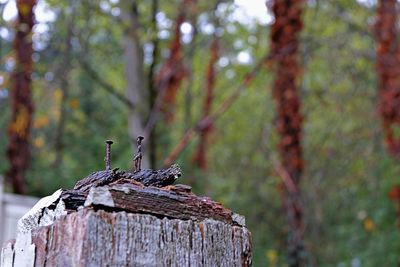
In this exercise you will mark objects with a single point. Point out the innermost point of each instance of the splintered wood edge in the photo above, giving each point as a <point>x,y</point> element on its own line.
<point>43,213</point>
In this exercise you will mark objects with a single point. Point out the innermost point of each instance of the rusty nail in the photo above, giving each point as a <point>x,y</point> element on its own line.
<point>138,157</point>
<point>107,159</point>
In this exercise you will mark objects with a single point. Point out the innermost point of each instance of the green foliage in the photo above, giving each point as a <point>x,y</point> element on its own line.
<point>348,215</point>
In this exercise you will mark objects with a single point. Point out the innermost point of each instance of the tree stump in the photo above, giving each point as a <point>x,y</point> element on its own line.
<point>128,224</point>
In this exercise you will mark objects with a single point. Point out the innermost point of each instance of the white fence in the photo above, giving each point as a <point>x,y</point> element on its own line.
<point>12,207</point>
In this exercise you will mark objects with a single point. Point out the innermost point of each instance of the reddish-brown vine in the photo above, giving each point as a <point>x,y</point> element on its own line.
<point>200,156</point>
<point>284,50</point>
<point>173,71</point>
<point>388,70</point>
<point>394,195</point>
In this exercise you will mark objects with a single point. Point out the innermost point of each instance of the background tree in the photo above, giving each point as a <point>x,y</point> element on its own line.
<point>18,151</point>
<point>388,67</point>
<point>284,51</point>
<point>347,175</point>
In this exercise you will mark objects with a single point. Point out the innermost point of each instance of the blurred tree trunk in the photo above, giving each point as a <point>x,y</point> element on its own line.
<point>284,48</point>
<point>134,70</point>
<point>18,151</point>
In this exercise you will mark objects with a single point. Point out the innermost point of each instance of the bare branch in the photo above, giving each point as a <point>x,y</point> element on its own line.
<point>208,120</point>
<point>104,84</point>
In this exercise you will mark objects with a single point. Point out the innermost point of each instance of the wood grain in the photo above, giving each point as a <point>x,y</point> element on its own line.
<point>99,238</point>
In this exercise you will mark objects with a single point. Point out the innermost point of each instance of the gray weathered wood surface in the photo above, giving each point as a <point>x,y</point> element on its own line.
<point>90,238</point>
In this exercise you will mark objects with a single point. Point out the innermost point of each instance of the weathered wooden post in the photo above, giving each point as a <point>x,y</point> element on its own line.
<point>116,218</point>
<point>129,225</point>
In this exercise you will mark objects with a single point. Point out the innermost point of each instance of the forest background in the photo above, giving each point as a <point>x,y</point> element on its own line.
<point>90,58</point>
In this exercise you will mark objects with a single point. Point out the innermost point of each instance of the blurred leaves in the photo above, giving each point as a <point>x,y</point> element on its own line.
<point>347,169</point>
